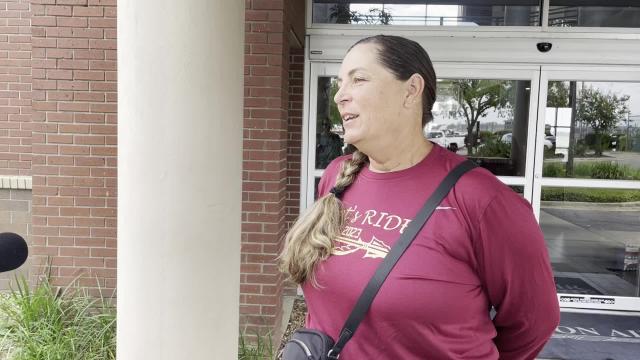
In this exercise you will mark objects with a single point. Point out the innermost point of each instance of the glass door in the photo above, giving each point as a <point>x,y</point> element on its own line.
<point>484,112</point>
<point>322,133</point>
<point>586,183</point>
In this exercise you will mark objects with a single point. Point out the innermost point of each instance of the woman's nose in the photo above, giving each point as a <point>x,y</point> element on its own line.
<point>341,96</point>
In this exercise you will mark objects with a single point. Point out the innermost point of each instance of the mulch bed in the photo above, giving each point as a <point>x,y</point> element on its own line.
<point>295,321</point>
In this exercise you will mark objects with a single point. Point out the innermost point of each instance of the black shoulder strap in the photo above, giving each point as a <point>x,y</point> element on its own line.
<point>372,288</point>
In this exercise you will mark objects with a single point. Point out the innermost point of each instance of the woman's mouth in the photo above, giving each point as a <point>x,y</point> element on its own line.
<point>348,117</point>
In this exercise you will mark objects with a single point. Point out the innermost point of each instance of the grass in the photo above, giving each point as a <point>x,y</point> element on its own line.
<point>260,349</point>
<point>53,323</point>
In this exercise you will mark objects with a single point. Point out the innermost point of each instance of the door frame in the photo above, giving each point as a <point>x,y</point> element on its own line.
<point>580,73</point>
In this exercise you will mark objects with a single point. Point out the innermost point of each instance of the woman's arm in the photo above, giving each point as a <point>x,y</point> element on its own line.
<point>513,264</point>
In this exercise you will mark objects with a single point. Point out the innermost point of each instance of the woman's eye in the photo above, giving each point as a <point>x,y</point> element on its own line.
<point>357,80</point>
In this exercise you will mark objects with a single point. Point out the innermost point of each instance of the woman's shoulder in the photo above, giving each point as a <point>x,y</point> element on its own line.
<point>336,164</point>
<point>478,187</point>
<point>330,174</point>
<point>339,160</point>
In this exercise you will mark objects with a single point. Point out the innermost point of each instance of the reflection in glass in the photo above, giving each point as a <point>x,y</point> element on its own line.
<point>518,189</point>
<point>593,236</point>
<point>485,120</point>
<point>428,13</point>
<point>329,132</point>
<point>594,13</point>
<point>592,130</point>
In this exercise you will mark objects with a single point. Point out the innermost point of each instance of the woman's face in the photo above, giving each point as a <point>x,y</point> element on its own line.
<point>370,99</point>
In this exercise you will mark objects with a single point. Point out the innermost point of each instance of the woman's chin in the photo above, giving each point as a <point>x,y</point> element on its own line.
<point>351,138</point>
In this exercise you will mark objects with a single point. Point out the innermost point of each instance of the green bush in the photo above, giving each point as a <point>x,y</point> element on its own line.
<point>52,323</point>
<point>606,170</point>
<point>593,170</point>
<point>628,143</point>
<point>580,149</point>
<point>554,169</point>
<point>590,141</point>
<point>550,153</point>
<point>485,136</point>
<point>494,148</point>
<point>590,195</point>
<point>623,144</point>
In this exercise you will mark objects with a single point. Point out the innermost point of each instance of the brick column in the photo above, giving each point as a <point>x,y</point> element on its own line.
<point>74,139</point>
<point>264,165</point>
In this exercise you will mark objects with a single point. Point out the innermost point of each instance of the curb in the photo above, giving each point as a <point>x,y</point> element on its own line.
<point>631,205</point>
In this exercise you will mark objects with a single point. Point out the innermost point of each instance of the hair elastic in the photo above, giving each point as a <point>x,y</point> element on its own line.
<point>337,192</point>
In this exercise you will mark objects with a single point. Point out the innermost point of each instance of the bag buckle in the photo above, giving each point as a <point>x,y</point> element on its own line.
<point>330,355</point>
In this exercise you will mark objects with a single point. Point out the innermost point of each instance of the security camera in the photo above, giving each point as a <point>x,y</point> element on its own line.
<point>544,46</point>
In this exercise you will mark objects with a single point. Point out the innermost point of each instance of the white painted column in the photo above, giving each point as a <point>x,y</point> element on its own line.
<point>180,92</point>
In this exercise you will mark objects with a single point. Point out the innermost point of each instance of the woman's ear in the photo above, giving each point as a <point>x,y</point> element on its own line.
<point>415,87</point>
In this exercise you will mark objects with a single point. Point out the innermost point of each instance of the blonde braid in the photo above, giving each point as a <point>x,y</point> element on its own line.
<point>310,239</point>
<point>350,170</point>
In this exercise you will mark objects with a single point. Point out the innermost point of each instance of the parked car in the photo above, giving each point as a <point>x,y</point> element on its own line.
<point>552,139</point>
<point>506,138</point>
<point>453,143</point>
<point>548,144</point>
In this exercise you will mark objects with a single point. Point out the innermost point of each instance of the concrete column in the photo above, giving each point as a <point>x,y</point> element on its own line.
<point>180,91</point>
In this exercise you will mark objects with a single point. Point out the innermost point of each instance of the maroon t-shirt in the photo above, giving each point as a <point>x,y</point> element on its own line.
<point>481,247</point>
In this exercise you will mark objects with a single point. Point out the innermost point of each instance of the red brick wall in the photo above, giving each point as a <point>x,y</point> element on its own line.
<point>15,87</point>
<point>294,147</point>
<point>264,165</point>
<point>267,192</point>
<point>294,144</point>
<point>74,139</point>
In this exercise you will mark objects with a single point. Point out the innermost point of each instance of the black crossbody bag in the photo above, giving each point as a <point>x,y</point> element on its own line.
<point>310,344</point>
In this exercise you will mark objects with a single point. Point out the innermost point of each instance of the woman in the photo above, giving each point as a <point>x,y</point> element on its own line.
<point>481,248</point>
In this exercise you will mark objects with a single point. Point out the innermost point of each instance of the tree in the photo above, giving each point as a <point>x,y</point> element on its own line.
<point>558,95</point>
<point>476,98</point>
<point>344,15</point>
<point>601,111</point>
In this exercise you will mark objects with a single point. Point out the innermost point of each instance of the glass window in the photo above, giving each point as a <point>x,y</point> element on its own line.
<point>593,237</point>
<point>485,120</point>
<point>519,189</point>
<point>594,13</point>
<point>592,130</point>
<point>329,131</point>
<point>428,12</point>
